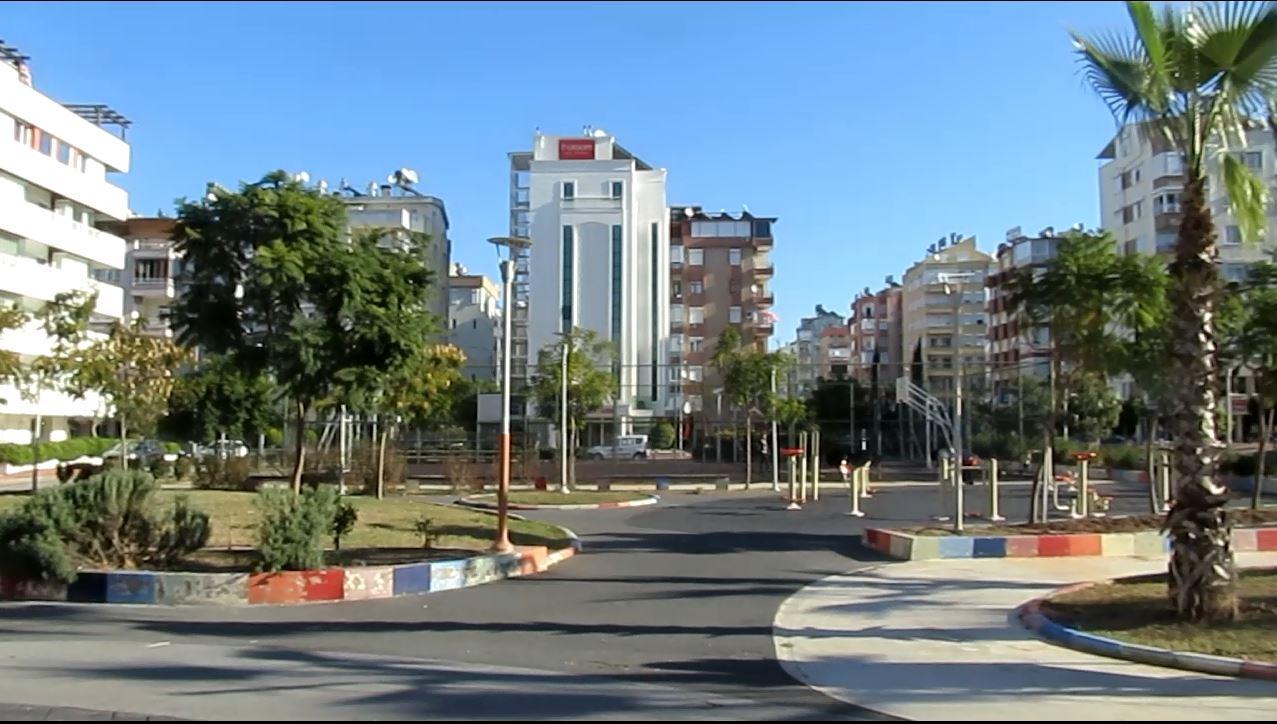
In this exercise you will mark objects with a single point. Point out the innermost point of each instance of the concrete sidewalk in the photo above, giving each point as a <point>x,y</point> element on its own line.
<point>934,640</point>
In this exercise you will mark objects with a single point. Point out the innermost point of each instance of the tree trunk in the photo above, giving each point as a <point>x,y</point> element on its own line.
<point>749,449</point>
<point>1265,429</point>
<point>299,461</point>
<point>1202,574</point>
<point>381,462</point>
<point>1150,424</point>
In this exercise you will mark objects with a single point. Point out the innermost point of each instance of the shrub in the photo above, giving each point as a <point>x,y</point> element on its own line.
<point>344,517</point>
<point>1247,465</point>
<point>662,436</point>
<point>172,448</point>
<point>1122,457</point>
<point>425,528</point>
<point>213,472</point>
<point>460,473</point>
<point>363,466</point>
<point>68,449</point>
<point>109,521</point>
<point>291,527</point>
<point>184,468</point>
<point>161,468</point>
<point>1006,447</point>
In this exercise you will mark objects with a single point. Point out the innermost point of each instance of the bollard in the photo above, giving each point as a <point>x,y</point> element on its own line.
<point>1165,477</point>
<point>815,466</point>
<point>793,482</point>
<point>1085,491</point>
<point>802,469</point>
<point>993,491</point>
<point>857,475</point>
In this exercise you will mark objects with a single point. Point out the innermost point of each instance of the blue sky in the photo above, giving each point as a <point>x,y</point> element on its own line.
<point>870,129</point>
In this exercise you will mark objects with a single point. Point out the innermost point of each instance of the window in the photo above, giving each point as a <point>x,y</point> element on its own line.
<point>568,268</point>
<point>618,283</point>
<point>733,257</point>
<point>733,315</point>
<point>696,287</point>
<point>676,341</point>
<point>1173,163</point>
<point>696,315</point>
<point>1233,235</point>
<point>64,153</point>
<point>696,257</point>
<point>454,324</point>
<point>940,341</point>
<point>695,373</point>
<point>474,324</point>
<point>695,344</point>
<point>1254,160</point>
<point>676,288</point>
<point>21,132</point>
<point>676,255</point>
<point>762,228</point>
<point>1166,203</point>
<point>569,189</point>
<point>676,314</point>
<point>1126,180</point>
<point>46,144</point>
<point>618,189</point>
<point>150,269</point>
<point>673,374</point>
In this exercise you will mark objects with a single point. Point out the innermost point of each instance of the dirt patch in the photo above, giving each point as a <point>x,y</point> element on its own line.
<point>1137,610</point>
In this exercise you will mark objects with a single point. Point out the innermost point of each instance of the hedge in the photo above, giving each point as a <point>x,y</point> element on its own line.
<point>69,449</point>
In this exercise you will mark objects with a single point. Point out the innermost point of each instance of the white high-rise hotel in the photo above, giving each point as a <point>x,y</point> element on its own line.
<point>54,161</point>
<point>599,260</point>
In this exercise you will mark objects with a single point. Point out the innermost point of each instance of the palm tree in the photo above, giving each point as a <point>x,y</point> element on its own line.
<point>1195,78</point>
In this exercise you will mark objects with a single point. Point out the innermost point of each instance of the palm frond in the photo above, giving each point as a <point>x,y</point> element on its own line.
<point>1247,197</point>
<point>1116,67</point>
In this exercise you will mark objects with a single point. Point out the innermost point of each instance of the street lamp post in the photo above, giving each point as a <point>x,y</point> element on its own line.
<point>953,285</point>
<point>775,439</point>
<point>564,439</point>
<point>513,243</point>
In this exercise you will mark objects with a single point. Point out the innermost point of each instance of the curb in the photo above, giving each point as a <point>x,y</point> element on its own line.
<point>1148,543</point>
<point>292,587</point>
<point>474,502</point>
<point>1030,616</point>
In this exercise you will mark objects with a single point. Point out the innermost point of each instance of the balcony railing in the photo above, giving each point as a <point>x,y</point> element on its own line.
<point>29,278</point>
<point>765,270</point>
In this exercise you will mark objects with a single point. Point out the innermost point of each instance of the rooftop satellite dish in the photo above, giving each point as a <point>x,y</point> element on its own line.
<point>372,188</point>
<point>689,212</point>
<point>301,177</point>
<point>599,133</point>
<point>403,177</point>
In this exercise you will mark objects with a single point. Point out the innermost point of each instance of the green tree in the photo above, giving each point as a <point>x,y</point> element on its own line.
<point>218,397</point>
<point>747,382</point>
<point>1093,409</point>
<point>134,373</point>
<point>1256,346</point>
<point>1191,78</point>
<point>591,382</point>
<point>270,287</point>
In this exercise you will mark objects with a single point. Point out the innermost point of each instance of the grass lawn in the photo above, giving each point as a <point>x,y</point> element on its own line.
<point>1241,517</point>
<point>385,525</point>
<point>581,497</point>
<point>1137,610</point>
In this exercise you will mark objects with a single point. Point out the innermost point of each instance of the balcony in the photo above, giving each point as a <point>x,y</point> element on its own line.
<point>29,278</point>
<point>766,270</point>
<point>22,218</point>
<point>1169,221</point>
<point>592,203</point>
<point>764,299</point>
<point>27,163</point>
<point>154,288</point>
<point>153,247</point>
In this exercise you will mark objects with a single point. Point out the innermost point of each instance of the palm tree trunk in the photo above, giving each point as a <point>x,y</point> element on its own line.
<point>1202,576</point>
<point>299,461</point>
<point>381,462</point>
<point>1265,429</point>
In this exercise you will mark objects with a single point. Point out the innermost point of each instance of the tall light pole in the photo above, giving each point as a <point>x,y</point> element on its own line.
<point>775,439</point>
<point>953,285</point>
<point>566,354</point>
<point>514,244</point>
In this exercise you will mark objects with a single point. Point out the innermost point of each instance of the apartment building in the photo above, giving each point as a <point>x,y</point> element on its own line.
<point>877,334</point>
<point>1140,184</point>
<point>720,277</point>
<point>835,352</point>
<point>944,319</point>
<point>1017,350</point>
<point>399,205</point>
<point>807,369</point>
<point>474,322</point>
<point>599,260</point>
<point>54,191</point>
<point>151,271</point>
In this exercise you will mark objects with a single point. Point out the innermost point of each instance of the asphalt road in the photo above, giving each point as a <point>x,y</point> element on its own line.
<point>667,614</point>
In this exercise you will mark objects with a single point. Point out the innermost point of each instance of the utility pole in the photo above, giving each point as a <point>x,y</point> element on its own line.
<point>566,353</point>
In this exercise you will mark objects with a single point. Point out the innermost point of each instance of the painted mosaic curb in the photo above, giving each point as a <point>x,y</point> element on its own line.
<point>475,501</point>
<point>356,583</point>
<point>1149,543</point>
<point>1030,615</point>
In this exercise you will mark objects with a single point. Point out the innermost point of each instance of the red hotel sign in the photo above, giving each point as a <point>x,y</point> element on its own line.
<point>576,149</point>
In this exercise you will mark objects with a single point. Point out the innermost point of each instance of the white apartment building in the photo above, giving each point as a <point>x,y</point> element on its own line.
<point>807,367</point>
<point>1140,184</point>
<point>933,337</point>
<point>474,321</point>
<point>597,218</point>
<point>54,190</point>
<point>399,206</point>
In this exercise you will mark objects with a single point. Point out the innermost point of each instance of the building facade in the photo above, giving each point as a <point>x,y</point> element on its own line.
<point>835,352</point>
<point>944,319</point>
<point>399,206</point>
<point>720,277</point>
<point>599,260</point>
<point>474,322</point>
<point>1017,350</point>
<point>151,271</point>
<point>877,335</point>
<point>806,366</point>
<point>54,192</point>
<point>1140,183</point>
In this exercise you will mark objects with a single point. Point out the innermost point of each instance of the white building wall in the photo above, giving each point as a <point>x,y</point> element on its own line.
<point>417,213</point>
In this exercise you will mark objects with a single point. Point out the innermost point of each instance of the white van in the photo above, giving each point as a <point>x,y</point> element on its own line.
<point>627,446</point>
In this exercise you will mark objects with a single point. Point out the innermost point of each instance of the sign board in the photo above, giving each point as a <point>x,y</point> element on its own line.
<point>576,149</point>
<point>489,411</point>
<point>1241,404</point>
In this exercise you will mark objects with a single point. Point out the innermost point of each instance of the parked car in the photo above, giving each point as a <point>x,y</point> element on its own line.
<point>146,450</point>
<point>221,448</point>
<point>627,446</point>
